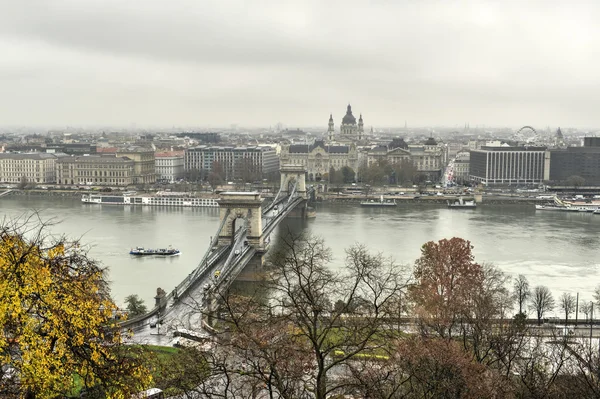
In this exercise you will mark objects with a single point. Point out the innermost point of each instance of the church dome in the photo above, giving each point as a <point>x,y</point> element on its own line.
<point>431,141</point>
<point>349,119</point>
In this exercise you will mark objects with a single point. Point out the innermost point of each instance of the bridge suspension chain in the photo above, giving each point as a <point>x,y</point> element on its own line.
<point>198,270</point>
<point>291,195</point>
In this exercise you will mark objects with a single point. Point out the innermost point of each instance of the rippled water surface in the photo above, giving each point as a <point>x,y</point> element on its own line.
<point>551,248</point>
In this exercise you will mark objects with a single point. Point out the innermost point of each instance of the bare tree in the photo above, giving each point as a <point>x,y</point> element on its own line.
<point>306,340</point>
<point>567,304</point>
<point>542,302</point>
<point>586,309</point>
<point>521,291</point>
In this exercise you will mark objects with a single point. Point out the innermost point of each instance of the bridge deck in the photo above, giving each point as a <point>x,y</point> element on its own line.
<point>182,308</point>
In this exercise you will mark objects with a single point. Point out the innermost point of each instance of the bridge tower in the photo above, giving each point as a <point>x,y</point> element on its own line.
<point>290,175</point>
<point>244,206</point>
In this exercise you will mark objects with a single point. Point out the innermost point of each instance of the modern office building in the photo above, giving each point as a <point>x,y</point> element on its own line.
<point>234,162</point>
<point>564,164</point>
<point>507,165</point>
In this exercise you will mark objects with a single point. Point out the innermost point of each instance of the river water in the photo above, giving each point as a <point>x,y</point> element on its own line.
<point>557,249</point>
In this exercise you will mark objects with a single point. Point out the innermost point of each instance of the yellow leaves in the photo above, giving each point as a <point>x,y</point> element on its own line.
<point>55,319</point>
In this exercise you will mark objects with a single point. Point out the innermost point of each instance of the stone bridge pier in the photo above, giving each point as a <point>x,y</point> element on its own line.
<point>242,206</point>
<point>290,175</point>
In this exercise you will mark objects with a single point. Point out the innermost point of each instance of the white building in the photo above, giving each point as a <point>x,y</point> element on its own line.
<point>35,167</point>
<point>319,157</point>
<point>169,166</point>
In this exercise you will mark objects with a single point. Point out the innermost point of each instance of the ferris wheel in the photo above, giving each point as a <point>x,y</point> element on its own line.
<point>527,134</point>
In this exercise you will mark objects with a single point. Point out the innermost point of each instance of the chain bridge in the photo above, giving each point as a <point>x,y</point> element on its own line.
<point>240,242</point>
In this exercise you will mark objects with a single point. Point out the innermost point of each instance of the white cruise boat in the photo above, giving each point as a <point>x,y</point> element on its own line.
<point>160,199</point>
<point>570,206</point>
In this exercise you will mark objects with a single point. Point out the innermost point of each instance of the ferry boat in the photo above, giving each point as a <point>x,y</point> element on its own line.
<point>141,251</point>
<point>570,206</point>
<point>162,198</point>
<point>460,203</point>
<point>381,202</point>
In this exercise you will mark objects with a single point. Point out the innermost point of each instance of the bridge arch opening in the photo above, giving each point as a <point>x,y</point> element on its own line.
<point>290,185</point>
<point>237,223</point>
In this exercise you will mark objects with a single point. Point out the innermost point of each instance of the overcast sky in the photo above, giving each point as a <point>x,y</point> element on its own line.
<point>256,63</point>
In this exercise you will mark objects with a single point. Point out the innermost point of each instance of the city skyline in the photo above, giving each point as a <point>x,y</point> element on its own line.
<point>255,64</point>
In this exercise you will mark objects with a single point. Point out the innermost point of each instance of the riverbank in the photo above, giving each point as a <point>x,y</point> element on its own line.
<point>325,197</point>
<point>430,199</point>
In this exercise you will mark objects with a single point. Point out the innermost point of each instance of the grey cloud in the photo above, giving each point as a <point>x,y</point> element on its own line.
<point>259,62</point>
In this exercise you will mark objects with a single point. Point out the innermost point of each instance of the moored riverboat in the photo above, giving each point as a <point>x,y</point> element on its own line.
<point>160,199</point>
<point>381,202</point>
<point>570,206</point>
<point>460,203</point>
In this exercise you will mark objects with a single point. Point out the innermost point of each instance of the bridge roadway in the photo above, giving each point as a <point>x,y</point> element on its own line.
<point>181,309</point>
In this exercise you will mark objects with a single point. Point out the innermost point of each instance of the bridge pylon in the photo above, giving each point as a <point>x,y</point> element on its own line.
<point>242,205</point>
<point>290,175</point>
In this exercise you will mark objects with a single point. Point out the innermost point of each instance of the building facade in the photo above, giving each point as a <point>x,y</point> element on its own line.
<point>34,167</point>
<point>169,166</point>
<point>461,167</point>
<point>563,164</point>
<point>319,157</point>
<point>144,164</point>
<point>428,158</point>
<point>507,165</point>
<point>96,170</point>
<point>383,153</point>
<point>234,162</point>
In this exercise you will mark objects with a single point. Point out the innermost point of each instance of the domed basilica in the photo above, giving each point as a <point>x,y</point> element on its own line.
<point>350,131</point>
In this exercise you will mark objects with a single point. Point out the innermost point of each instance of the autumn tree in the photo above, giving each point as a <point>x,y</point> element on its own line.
<point>135,305</point>
<point>57,319</point>
<point>438,368</point>
<point>446,275</point>
<point>521,291</point>
<point>405,171</point>
<point>348,174</point>
<point>567,304</point>
<point>575,181</point>
<point>217,175</point>
<point>542,302</point>
<point>308,339</point>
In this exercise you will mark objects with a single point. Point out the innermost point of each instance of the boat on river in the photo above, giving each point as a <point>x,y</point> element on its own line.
<point>381,202</point>
<point>141,251</point>
<point>161,198</point>
<point>460,203</point>
<point>570,206</point>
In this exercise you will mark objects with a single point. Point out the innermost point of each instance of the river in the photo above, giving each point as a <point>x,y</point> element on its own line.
<point>557,249</point>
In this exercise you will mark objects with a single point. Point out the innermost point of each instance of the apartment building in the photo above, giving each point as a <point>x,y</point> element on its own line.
<point>35,167</point>
<point>233,162</point>
<point>169,166</point>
